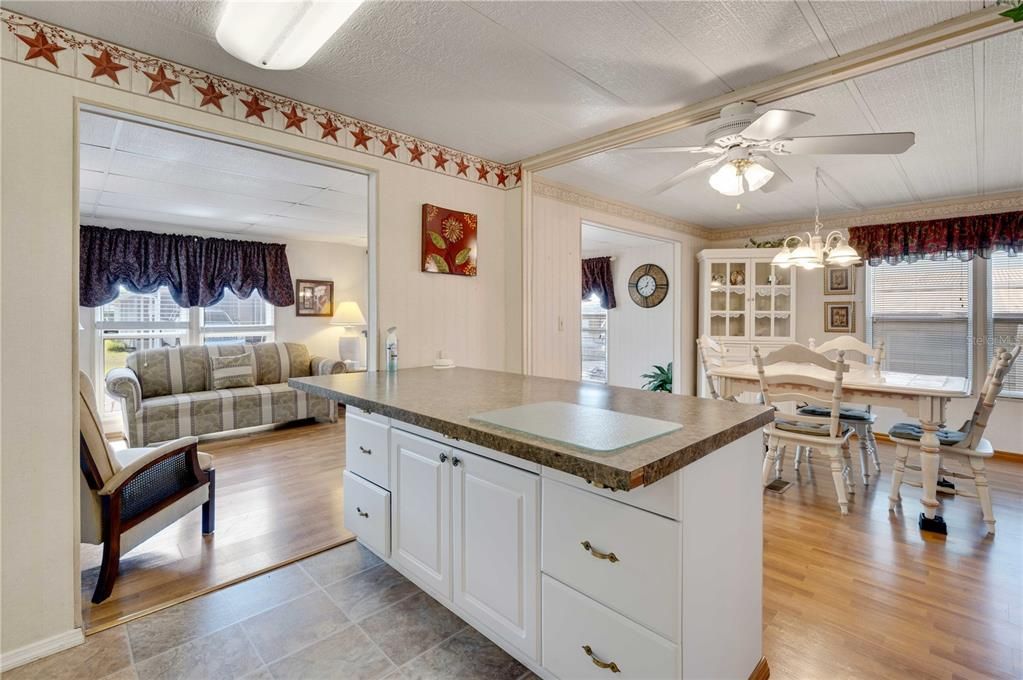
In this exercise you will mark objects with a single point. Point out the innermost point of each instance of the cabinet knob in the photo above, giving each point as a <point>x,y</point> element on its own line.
<point>610,557</point>
<point>365,450</point>
<point>443,457</point>
<point>361,513</point>
<point>607,665</point>
<point>456,461</point>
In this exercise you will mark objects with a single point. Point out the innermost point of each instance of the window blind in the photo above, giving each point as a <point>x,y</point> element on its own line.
<point>1006,321</point>
<point>922,312</point>
<point>594,340</point>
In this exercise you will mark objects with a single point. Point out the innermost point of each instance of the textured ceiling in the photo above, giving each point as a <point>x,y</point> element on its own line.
<point>133,172</point>
<point>963,104</point>
<point>506,80</point>
<point>599,241</point>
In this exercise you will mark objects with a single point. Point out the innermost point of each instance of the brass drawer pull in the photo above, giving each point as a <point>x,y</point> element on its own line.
<point>611,666</point>
<point>368,452</point>
<point>610,557</point>
<point>361,513</point>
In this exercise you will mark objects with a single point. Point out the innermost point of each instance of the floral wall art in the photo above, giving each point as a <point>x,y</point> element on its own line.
<point>449,241</point>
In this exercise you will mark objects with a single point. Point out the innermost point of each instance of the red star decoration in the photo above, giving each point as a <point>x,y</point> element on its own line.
<point>161,83</point>
<point>439,161</point>
<point>502,178</point>
<point>462,167</point>
<point>482,173</point>
<point>329,129</point>
<point>518,175</point>
<point>415,154</point>
<point>104,65</point>
<point>254,108</point>
<point>210,95</point>
<point>294,119</point>
<point>40,46</point>
<point>361,139</point>
<point>390,146</point>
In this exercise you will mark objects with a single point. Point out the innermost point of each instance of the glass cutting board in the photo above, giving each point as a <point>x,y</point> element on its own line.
<point>585,427</point>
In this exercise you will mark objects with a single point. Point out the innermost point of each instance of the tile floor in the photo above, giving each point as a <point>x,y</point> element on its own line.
<point>340,614</point>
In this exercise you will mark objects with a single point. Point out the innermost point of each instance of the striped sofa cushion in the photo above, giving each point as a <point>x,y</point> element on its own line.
<point>278,361</point>
<point>170,370</point>
<point>232,371</point>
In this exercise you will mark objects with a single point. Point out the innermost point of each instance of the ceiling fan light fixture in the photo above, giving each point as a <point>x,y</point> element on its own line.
<point>728,180</point>
<point>757,175</point>
<point>281,35</point>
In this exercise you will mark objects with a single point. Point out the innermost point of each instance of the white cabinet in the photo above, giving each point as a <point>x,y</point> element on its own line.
<point>745,301</point>
<point>421,509</point>
<point>368,513</point>
<point>496,562</point>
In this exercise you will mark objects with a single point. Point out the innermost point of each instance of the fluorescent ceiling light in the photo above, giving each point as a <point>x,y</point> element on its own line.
<point>280,35</point>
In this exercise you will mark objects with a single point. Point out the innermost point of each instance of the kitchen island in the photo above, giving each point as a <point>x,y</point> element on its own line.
<point>588,530</point>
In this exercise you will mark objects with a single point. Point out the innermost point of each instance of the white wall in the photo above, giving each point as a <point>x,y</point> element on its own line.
<point>556,282</point>
<point>39,363</point>
<point>637,337</point>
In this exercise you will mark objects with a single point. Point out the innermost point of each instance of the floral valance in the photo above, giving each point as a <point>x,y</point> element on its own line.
<point>597,280</point>
<point>955,237</point>
<point>196,270</point>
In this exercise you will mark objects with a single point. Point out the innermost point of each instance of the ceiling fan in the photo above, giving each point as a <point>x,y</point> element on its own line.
<point>740,144</point>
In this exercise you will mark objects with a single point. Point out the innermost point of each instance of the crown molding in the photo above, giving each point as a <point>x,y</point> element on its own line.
<point>912,212</point>
<point>578,197</point>
<point>60,51</point>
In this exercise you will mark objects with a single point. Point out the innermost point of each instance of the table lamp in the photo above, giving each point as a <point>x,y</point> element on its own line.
<point>351,348</point>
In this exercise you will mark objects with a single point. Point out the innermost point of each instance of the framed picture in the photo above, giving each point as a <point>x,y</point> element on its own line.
<point>449,241</point>
<point>839,281</point>
<point>839,317</point>
<point>314,298</point>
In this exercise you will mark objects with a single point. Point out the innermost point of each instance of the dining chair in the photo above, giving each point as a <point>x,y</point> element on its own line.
<point>821,433</point>
<point>861,420</point>
<point>130,495</point>
<point>712,355</point>
<point>965,445</point>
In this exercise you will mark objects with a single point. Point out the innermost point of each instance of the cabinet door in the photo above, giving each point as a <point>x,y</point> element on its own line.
<point>729,299</point>
<point>496,537</point>
<point>421,517</point>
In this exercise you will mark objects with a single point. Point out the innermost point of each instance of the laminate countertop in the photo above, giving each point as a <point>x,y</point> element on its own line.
<point>446,400</point>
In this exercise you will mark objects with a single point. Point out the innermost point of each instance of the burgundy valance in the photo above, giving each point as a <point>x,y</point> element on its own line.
<point>196,270</point>
<point>597,280</point>
<point>956,237</point>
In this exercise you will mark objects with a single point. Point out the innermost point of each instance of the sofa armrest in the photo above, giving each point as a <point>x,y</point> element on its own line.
<point>325,366</point>
<point>184,446</point>
<point>123,384</point>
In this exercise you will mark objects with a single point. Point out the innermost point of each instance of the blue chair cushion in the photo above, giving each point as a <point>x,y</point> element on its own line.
<point>844,414</point>
<point>915,432</point>
<point>813,429</point>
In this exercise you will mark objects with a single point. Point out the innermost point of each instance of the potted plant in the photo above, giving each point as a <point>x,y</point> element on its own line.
<point>658,380</point>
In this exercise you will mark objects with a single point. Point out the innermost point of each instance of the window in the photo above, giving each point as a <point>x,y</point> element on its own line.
<point>594,341</point>
<point>923,313</point>
<point>1006,320</point>
<point>234,319</point>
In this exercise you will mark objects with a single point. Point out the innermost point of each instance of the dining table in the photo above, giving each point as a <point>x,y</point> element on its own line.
<point>920,396</point>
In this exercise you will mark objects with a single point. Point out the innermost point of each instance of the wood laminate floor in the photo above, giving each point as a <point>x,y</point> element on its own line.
<point>862,596</point>
<point>279,498</point>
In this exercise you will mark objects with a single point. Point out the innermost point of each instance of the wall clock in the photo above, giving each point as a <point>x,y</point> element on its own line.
<point>648,285</point>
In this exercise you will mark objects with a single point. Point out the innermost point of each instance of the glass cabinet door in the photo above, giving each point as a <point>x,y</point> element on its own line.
<point>728,295</point>
<point>772,301</point>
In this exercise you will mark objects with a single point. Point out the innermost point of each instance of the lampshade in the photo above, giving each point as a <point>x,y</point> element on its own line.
<point>280,35</point>
<point>348,314</point>
<point>782,259</point>
<point>843,255</point>
<point>727,180</point>
<point>757,176</point>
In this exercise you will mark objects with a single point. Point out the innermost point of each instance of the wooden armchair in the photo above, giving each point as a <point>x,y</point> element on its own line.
<point>712,355</point>
<point>130,495</point>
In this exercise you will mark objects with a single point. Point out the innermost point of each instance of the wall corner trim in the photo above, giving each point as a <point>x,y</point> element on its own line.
<point>41,648</point>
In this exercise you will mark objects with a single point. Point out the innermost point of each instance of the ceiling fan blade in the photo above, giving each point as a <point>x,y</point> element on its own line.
<point>673,149</point>
<point>775,123</point>
<point>877,143</point>
<point>780,178</point>
<point>686,174</point>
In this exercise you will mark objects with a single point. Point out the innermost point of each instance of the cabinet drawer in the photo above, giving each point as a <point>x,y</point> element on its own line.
<point>368,513</point>
<point>661,497</point>
<point>573,622</point>
<point>366,449</point>
<point>642,581</point>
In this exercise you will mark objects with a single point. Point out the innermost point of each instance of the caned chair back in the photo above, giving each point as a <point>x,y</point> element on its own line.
<point>97,457</point>
<point>1001,364</point>
<point>791,386</point>
<point>872,356</point>
<point>712,355</point>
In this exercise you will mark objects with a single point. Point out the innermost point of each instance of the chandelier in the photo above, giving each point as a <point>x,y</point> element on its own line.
<point>815,251</point>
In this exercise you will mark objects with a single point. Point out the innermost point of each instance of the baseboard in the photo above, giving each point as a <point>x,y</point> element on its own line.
<point>37,650</point>
<point>1000,455</point>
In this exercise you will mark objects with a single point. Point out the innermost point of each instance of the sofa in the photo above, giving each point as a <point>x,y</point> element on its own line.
<point>167,393</point>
